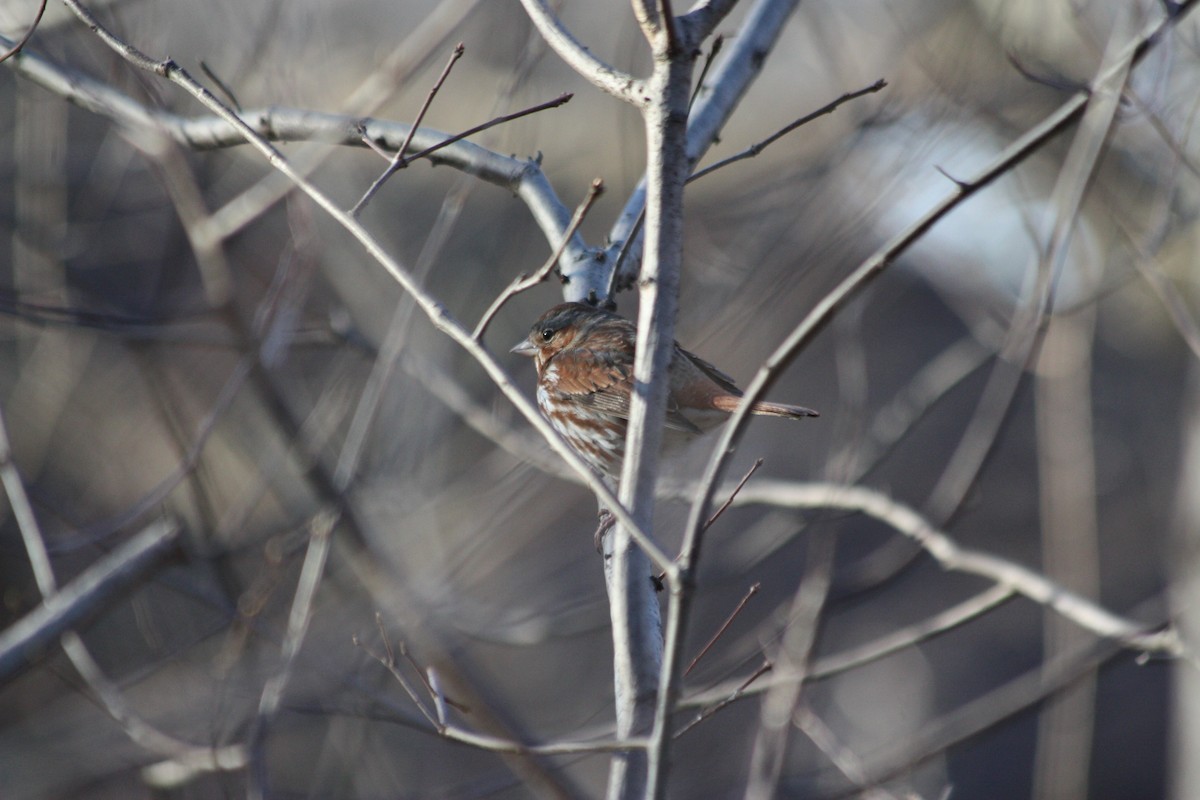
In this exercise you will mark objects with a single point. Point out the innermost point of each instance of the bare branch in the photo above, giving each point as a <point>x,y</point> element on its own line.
<point>220,84</point>
<point>758,462</point>
<point>842,757</point>
<point>578,57</point>
<point>484,741</point>
<point>981,714</point>
<point>641,692</point>
<point>320,537</point>
<point>753,590</point>
<point>20,43</point>
<point>523,282</point>
<point>523,177</point>
<point>397,161</point>
<point>962,469</point>
<point>794,657</point>
<point>867,653</point>
<point>737,70</point>
<point>562,99</point>
<point>388,662</point>
<point>733,696</point>
<point>703,18</point>
<point>97,583</point>
<point>435,311</point>
<point>709,58</point>
<point>754,149</point>
<point>952,557</point>
<point>91,591</point>
<point>873,266</point>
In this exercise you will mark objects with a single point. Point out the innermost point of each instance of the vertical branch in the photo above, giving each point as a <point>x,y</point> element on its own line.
<point>311,573</point>
<point>666,173</point>
<point>633,603</point>
<point>1184,769</point>
<point>795,653</point>
<point>716,101</point>
<point>1067,475</point>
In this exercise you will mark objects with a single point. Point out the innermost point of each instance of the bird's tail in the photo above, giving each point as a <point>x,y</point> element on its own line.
<point>730,403</point>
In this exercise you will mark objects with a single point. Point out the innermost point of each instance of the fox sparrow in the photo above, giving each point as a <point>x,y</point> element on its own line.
<point>584,358</point>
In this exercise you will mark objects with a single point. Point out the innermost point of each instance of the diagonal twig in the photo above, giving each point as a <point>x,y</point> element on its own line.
<point>562,99</point>
<point>754,149</point>
<point>438,315</point>
<point>523,282</point>
<point>397,163</point>
<point>20,43</point>
<point>635,229</point>
<point>91,590</point>
<point>751,592</point>
<point>311,573</point>
<point>1021,149</point>
<point>578,57</point>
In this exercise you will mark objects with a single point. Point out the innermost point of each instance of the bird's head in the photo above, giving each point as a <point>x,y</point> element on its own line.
<point>558,328</point>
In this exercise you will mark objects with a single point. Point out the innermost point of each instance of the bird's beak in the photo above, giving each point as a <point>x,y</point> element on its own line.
<point>525,348</point>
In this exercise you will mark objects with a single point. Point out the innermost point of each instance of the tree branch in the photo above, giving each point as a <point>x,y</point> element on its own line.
<point>619,84</point>
<point>86,595</point>
<point>743,61</point>
<point>438,315</point>
<point>521,176</point>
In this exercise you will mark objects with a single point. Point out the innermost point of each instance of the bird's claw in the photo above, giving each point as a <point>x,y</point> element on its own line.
<point>607,520</point>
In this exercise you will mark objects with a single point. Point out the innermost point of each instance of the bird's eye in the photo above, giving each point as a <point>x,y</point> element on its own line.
<point>548,334</point>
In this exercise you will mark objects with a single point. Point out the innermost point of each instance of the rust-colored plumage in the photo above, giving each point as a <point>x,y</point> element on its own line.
<point>584,359</point>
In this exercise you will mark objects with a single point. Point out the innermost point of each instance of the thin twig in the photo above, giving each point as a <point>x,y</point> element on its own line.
<point>311,573</point>
<point>493,743</point>
<point>733,696</point>
<point>389,663</point>
<point>562,99</point>
<point>911,635</point>
<point>523,282</point>
<point>733,493</point>
<point>820,315</point>
<point>579,58</point>
<point>383,637</point>
<point>758,462</point>
<point>16,48</point>
<point>435,311</point>
<point>724,627</point>
<point>434,692</point>
<point>397,163</point>
<point>754,149</point>
<point>439,699</point>
<point>225,90</point>
<point>713,51</point>
<point>369,142</point>
<point>90,591</point>
<point>955,558</point>
<point>869,652</point>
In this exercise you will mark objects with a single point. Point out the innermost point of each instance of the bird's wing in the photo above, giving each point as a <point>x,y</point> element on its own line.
<point>603,380</point>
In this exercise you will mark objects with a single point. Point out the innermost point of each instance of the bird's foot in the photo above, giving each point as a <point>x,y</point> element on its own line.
<point>607,520</point>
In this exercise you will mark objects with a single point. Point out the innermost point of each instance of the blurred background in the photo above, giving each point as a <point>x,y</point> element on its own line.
<point>146,372</point>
